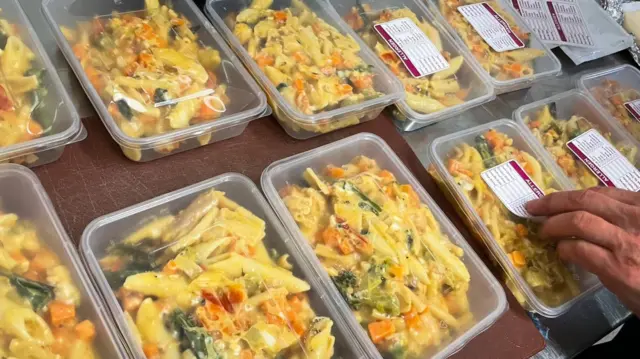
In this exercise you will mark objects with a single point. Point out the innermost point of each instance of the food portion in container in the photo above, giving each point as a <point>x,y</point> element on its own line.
<point>313,65</point>
<point>38,300</point>
<point>612,96</point>
<point>554,133</point>
<point>151,70</point>
<point>23,116</point>
<point>428,94</point>
<point>535,259</point>
<point>502,66</point>
<point>200,283</point>
<point>399,273</point>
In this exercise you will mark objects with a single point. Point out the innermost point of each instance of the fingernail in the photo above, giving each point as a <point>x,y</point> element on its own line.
<point>531,205</point>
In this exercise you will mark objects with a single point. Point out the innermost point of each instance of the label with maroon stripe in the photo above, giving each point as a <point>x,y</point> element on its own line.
<point>555,21</point>
<point>569,23</point>
<point>605,161</point>
<point>634,109</point>
<point>418,54</point>
<point>493,29</point>
<point>513,186</point>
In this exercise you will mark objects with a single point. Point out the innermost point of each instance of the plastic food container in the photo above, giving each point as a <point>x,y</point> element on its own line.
<point>544,66</point>
<point>245,100</point>
<point>55,119</point>
<point>440,151</point>
<point>469,77</point>
<point>21,193</point>
<point>611,89</point>
<point>298,124</point>
<point>575,103</point>
<point>116,226</point>
<point>486,297</point>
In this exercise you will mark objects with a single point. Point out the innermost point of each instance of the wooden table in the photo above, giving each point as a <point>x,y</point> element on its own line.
<point>93,178</point>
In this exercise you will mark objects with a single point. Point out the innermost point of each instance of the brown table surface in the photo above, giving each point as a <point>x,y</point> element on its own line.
<point>94,178</point>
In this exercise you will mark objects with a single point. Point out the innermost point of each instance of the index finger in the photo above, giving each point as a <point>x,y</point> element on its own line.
<point>589,200</point>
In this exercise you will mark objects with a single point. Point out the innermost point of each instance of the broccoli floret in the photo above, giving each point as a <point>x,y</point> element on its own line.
<point>347,283</point>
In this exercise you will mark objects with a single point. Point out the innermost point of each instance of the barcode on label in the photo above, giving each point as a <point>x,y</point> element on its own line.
<point>513,186</point>
<point>493,29</point>
<point>412,46</point>
<point>607,163</point>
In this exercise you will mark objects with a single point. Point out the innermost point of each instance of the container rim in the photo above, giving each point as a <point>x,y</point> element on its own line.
<point>270,219</point>
<point>488,239</point>
<point>76,265</point>
<point>173,136</point>
<point>53,140</point>
<point>447,228</point>
<point>292,113</point>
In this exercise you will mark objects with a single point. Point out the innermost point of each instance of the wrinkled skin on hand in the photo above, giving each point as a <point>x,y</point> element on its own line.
<point>599,230</point>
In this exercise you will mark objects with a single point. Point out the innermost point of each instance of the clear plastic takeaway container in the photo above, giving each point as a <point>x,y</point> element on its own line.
<point>32,90</point>
<point>22,193</point>
<point>562,107</point>
<point>545,66</point>
<point>296,122</point>
<point>164,100</point>
<point>114,227</point>
<point>440,151</point>
<point>417,110</point>
<point>611,89</point>
<point>486,297</point>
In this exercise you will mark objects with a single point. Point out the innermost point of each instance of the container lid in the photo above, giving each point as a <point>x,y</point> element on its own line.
<point>436,95</point>
<point>350,61</point>
<point>174,79</point>
<point>471,150</point>
<point>613,90</point>
<point>346,157</point>
<point>242,263</point>
<point>31,94</point>
<point>22,194</point>
<point>561,118</point>
<point>532,62</point>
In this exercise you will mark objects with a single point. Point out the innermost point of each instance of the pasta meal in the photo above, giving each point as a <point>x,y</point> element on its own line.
<point>38,299</point>
<point>502,66</point>
<point>22,92</point>
<point>612,96</point>
<point>384,250</point>
<point>201,284</point>
<point>313,65</point>
<point>427,94</point>
<point>151,70</point>
<point>535,259</point>
<point>554,133</point>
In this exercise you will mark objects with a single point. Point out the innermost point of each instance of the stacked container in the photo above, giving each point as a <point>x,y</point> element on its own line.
<point>545,66</point>
<point>611,89</point>
<point>470,76</point>
<point>21,193</point>
<point>439,153</point>
<point>52,106</point>
<point>114,228</point>
<point>247,102</point>
<point>298,124</point>
<point>486,297</point>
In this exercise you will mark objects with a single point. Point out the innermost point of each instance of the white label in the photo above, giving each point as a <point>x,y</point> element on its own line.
<point>556,21</point>
<point>493,29</point>
<point>605,161</point>
<point>634,109</point>
<point>418,54</point>
<point>513,186</point>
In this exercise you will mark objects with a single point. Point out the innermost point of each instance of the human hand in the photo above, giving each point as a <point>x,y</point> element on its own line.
<point>599,230</point>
